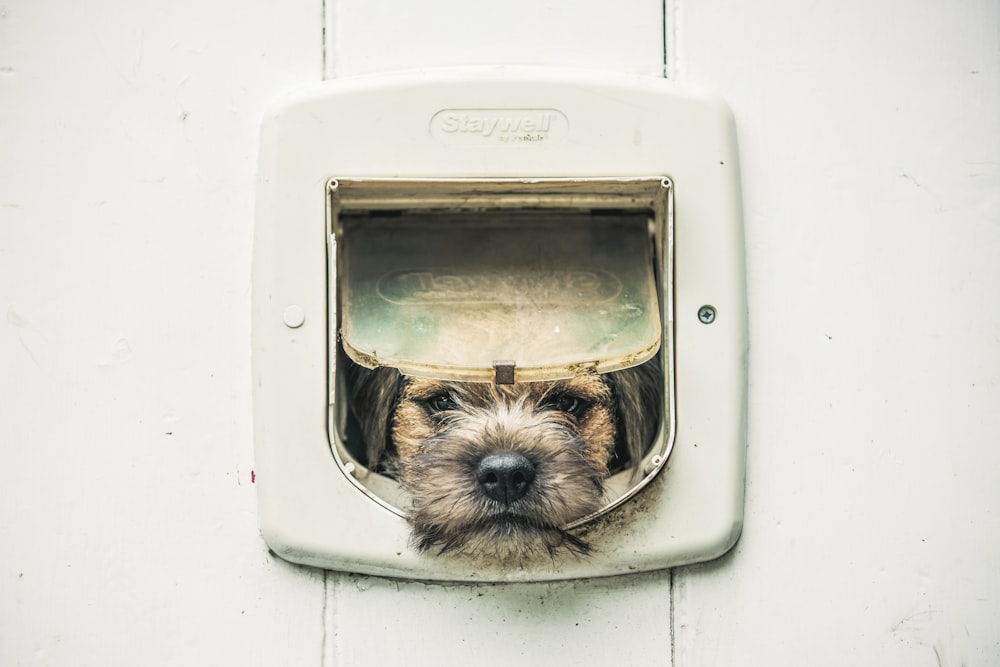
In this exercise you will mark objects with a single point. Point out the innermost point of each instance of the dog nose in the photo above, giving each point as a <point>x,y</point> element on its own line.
<point>505,476</point>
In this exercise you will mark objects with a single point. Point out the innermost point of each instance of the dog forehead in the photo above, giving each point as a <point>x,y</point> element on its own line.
<point>590,386</point>
<point>585,385</point>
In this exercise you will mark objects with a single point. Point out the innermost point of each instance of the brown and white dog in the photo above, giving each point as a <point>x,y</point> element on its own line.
<point>500,470</point>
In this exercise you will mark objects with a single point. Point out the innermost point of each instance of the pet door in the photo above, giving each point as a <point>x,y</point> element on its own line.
<point>495,225</point>
<point>499,281</point>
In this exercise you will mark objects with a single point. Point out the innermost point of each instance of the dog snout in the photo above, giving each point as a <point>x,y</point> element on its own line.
<point>505,476</point>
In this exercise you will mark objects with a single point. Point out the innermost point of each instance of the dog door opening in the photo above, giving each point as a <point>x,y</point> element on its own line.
<point>503,357</point>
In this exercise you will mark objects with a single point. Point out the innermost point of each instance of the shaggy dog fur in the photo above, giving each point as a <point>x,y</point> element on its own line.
<point>500,470</point>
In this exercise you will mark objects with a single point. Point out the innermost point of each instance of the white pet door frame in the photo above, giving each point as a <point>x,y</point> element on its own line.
<point>490,125</point>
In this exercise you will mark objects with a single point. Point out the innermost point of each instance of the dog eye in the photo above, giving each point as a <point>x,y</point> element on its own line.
<point>572,405</point>
<point>440,403</point>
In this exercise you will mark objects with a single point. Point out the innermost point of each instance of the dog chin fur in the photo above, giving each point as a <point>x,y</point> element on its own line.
<point>567,436</point>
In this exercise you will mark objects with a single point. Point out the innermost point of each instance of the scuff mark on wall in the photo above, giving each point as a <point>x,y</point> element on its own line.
<point>24,326</point>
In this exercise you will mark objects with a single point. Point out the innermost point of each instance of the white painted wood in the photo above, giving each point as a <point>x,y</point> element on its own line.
<point>870,150</point>
<point>614,621</point>
<point>128,134</point>
<point>366,36</point>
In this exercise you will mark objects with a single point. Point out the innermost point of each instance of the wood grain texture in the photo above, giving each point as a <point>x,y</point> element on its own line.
<point>128,134</point>
<point>870,153</point>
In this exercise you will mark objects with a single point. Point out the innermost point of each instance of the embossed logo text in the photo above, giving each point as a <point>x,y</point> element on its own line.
<point>499,127</point>
<point>536,287</point>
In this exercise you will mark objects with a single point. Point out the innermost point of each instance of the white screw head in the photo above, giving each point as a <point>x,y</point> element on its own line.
<point>294,316</point>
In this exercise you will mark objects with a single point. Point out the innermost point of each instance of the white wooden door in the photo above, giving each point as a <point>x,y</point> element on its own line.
<point>870,152</point>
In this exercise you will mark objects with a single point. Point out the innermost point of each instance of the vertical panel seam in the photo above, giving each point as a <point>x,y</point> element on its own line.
<point>328,8</point>
<point>322,620</point>
<point>671,38</point>
<point>672,629</point>
<point>666,31</point>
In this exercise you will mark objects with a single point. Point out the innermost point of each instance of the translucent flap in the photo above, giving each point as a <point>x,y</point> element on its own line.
<point>471,295</point>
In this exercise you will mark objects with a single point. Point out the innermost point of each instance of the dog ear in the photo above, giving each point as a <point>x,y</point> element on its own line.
<point>639,403</point>
<point>372,395</point>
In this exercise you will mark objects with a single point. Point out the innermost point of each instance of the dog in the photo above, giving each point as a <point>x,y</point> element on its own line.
<point>499,470</point>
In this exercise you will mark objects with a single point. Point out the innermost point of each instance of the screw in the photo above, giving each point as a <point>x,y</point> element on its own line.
<point>294,316</point>
<point>706,314</point>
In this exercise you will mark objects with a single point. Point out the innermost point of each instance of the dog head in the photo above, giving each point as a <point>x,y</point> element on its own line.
<point>500,470</point>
